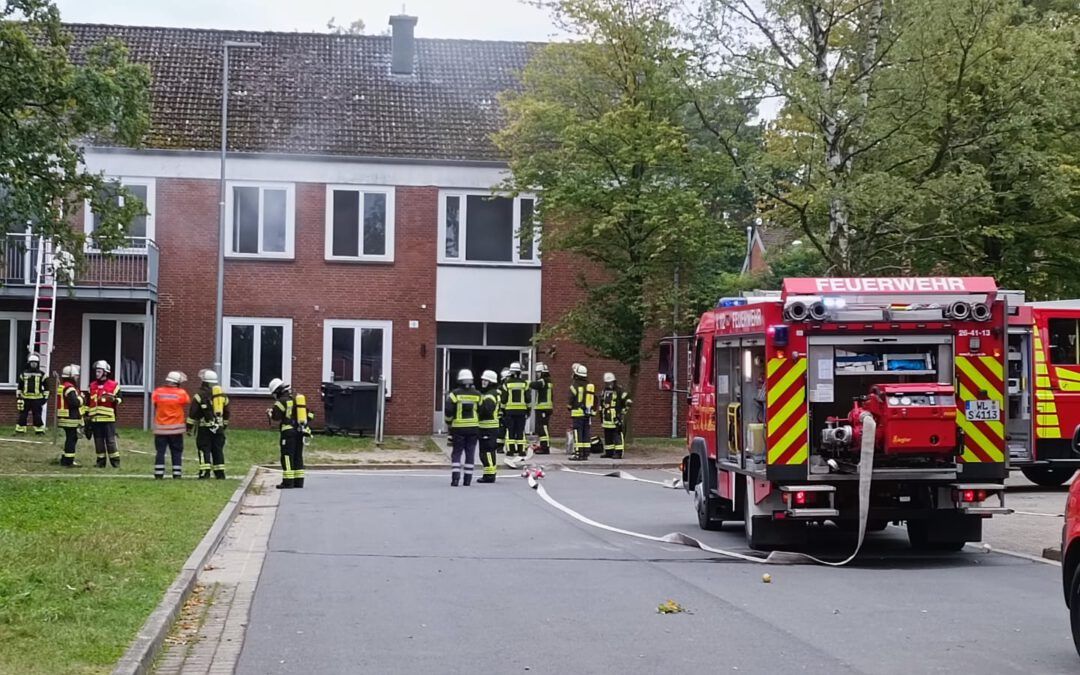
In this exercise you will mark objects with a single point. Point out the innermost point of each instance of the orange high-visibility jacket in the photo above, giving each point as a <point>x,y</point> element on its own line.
<point>170,415</point>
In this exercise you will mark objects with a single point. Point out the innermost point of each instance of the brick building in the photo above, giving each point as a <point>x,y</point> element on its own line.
<point>361,236</point>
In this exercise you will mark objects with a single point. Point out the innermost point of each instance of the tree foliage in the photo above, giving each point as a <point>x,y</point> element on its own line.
<point>352,28</point>
<point>49,108</point>
<point>602,130</point>
<point>913,135</point>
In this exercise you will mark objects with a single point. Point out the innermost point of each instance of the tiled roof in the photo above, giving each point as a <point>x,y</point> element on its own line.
<point>321,94</point>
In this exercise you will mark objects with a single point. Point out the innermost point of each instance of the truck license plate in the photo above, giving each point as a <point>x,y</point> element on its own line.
<point>983,411</point>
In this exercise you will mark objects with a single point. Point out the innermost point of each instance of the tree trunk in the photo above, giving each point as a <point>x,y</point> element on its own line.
<point>635,375</point>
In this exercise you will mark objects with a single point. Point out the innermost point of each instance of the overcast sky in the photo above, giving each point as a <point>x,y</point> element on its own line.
<point>478,19</point>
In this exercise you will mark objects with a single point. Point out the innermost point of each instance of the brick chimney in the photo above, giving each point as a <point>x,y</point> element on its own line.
<point>402,44</point>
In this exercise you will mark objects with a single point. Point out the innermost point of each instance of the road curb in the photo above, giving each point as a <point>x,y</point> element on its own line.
<point>139,657</point>
<point>639,466</point>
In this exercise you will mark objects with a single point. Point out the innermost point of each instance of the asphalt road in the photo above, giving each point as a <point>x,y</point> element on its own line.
<point>393,573</point>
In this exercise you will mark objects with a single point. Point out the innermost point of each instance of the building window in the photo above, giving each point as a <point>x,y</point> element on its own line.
<point>14,346</point>
<point>119,339</point>
<point>359,223</point>
<point>357,351</point>
<point>256,351</point>
<point>141,228</point>
<point>477,228</point>
<point>260,220</point>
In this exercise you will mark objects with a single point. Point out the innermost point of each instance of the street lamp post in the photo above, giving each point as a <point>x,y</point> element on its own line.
<point>218,314</point>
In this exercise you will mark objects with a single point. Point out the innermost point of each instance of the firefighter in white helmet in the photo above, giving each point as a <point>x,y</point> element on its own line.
<point>294,424</point>
<point>581,403</point>
<point>489,424</point>
<point>500,441</point>
<point>462,413</point>
<point>169,401</point>
<point>69,412</point>
<point>101,414</point>
<point>542,394</point>
<point>516,402</point>
<point>614,404</point>
<point>209,418</point>
<point>31,393</point>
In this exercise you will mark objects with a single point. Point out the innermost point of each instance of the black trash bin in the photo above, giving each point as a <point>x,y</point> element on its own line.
<point>350,407</point>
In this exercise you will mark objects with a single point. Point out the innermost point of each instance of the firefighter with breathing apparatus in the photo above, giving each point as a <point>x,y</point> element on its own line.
<point>209,418</point>
<point>69,412</point>
<point>291,415</point>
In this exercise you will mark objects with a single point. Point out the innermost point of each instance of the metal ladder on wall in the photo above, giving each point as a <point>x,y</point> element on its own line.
<point>43,319</point>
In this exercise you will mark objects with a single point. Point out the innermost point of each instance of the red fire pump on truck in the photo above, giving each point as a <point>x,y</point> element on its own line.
<point>782,387</point>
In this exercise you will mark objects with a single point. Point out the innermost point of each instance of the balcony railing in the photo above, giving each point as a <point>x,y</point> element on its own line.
<point>133,267</point>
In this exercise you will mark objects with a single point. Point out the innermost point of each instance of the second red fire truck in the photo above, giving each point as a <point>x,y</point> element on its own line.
<point>783,385</point>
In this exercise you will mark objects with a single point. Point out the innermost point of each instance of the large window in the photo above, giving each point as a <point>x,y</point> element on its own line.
<point>478,228</point>
<point>1064,342</point>
<point>357,351</point>
<point>260,220</point>
<point>14,346</point>
<point>119,339</point>
<point>359,223</point>
<point>256,351</point>
<point>141,228</point>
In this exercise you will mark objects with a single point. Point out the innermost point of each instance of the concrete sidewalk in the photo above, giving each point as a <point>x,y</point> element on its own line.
<point>635,457</point>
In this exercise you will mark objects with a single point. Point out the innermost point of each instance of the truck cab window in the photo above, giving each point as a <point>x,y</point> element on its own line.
<point>699,354</point>
<point>1063,343</point>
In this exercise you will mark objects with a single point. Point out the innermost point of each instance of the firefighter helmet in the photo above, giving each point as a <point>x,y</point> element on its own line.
<point>208,376</point>
<point>580,370</point>
<point>70,371</point>
<point>515,368</point>
<point>33,358</point>
<point>103,366</point>
<point>489,376</point>
<point>609,377</point>
<point>175,377</point>
<point>504,373</point>
<point>277,384</point>
<point>541,367</point>
<point>464,376</point>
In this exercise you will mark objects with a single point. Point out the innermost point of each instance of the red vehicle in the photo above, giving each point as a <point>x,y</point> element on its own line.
<point>783,385</point>
<point>1044,389</point>
<point>1070,560</point>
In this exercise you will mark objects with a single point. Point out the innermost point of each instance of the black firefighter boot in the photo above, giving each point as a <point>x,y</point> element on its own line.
<point>298,482</point>
<point>115,462</point>
<point>100,463</point>
<point>455,476</point>
<point>486,478</point>
<point>468,480</point>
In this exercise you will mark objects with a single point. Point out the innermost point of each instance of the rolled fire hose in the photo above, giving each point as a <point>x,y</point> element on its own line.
<point>866,472</point>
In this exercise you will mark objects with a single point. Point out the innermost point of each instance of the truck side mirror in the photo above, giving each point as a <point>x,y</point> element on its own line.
<point>665,371</point>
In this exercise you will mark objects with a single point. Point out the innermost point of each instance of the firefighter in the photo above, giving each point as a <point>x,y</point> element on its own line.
<point>291,414</point>
<point>31,394</point>
<point>209,418</point>
<point>101,414</point>
<point>169,401</point>
<point>489,424</point>
<point>516,401</point>
<point>614,404</point>
<point>500,440</point>
<point>581,402</point>
<point>69,413</point>
<point>462,412</point>
<point>542,388</point>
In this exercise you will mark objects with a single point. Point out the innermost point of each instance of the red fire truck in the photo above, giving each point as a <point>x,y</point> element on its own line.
<point>1044,389</point>
<point>778,385</point>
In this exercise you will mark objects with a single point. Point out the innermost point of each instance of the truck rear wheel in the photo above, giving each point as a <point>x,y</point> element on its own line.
<point>1048,476</point>
<point>1074,609</point>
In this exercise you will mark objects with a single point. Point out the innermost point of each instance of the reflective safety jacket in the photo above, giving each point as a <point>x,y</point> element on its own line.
<point>462,409</point>
<point>582,401</point>
<point>104,400</point>
<point>543,389</point>
<point>489,408</point>
<point>33,386</point>
<point>169,403</point>
<point>613,404</point>
<point>209,408</point>
<point>69,406</point>
<point>290,412</point>
<point>515,395</point>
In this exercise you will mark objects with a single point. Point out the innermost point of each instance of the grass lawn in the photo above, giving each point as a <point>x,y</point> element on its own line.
<point>243,448</point>
<point>84,561</point>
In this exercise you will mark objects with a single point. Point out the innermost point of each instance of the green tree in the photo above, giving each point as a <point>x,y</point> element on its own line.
<point>600,131</point>
<point>49,108</point>
<point>353,28</point>
<point>913,135</point>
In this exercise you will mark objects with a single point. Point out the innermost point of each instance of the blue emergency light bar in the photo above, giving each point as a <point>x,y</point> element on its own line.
<point>730,302</point>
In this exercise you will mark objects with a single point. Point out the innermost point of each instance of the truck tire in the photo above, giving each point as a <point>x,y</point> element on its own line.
<point>918,536</point>
<point>704,502</point>
<point>1048,476</point>
<point>1074,609</point>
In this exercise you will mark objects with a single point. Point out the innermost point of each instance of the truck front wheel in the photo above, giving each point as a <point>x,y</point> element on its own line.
<point>1048,476</point>
<point>705,502</point>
